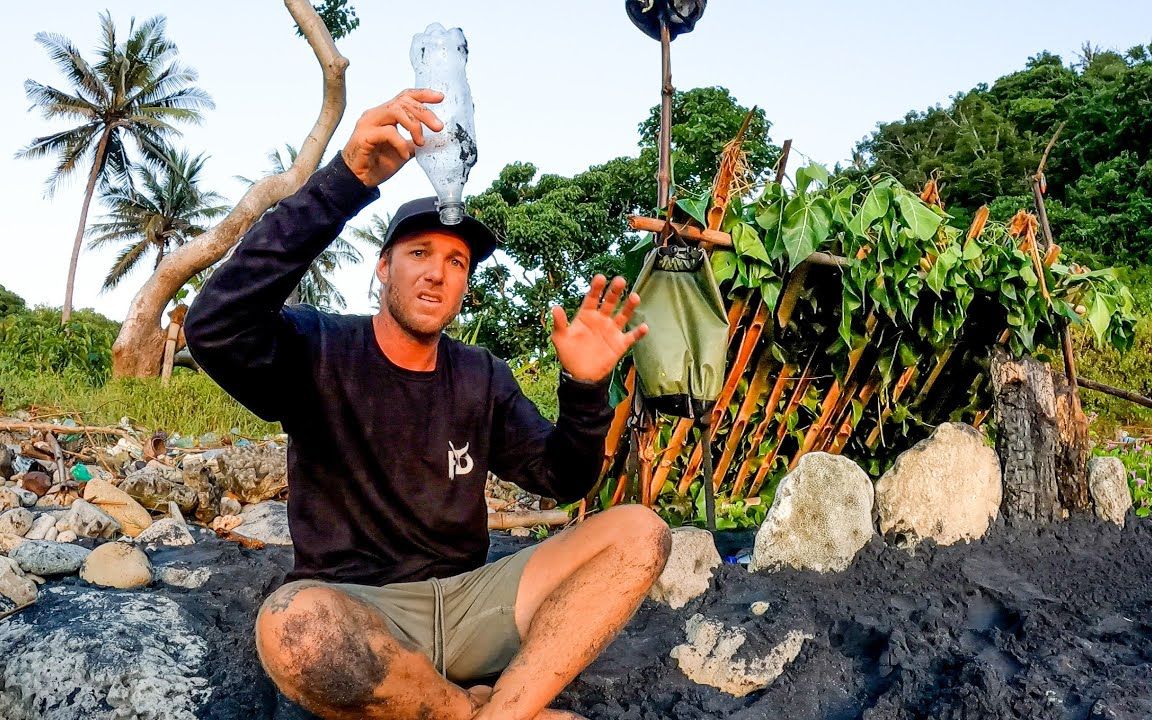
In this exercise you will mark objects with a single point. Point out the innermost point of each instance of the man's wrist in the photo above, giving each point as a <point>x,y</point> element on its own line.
<point>565,375</point>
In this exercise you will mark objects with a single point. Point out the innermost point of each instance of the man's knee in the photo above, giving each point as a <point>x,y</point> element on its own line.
<point>643,533</point>
<point>315,645</point>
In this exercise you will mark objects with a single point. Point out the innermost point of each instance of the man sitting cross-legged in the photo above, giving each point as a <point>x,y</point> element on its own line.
<point>389,611</point>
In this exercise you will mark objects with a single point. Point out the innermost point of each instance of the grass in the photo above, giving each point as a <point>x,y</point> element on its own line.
<point>191,405</point>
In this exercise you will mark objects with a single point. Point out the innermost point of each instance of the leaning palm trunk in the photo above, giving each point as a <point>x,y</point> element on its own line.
<point>97,164</point>
<point>139,348</point>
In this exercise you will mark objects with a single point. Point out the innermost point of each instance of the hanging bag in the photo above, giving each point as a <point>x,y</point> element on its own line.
<point>680,362</point>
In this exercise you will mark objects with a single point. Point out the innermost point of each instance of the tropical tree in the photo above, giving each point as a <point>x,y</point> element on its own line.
<point>316,287</point>
<point>132,94</point>
<point>158,206</point>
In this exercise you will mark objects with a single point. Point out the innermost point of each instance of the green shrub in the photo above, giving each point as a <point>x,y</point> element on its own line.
<point>1131,370</point>
<point>10,303</point>
<point>36,342</point>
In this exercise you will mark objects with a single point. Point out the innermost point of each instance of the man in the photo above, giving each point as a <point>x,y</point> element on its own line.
<point>394,426</point>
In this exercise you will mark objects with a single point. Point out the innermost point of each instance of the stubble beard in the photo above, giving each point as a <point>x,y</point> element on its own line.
<point>420,328</point>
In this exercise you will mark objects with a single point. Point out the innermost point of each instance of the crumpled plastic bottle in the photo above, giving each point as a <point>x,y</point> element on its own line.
<point>438,57</point>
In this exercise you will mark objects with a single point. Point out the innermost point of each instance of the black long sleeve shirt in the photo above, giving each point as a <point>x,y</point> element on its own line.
<point>386,466</point>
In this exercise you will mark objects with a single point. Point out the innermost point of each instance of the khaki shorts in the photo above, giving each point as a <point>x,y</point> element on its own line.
<point>465,624</point>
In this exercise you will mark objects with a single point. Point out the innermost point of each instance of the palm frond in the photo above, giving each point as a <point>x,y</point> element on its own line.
<point>125,262</point>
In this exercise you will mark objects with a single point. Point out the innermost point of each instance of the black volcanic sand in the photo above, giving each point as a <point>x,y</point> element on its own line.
<point>1027,623</point>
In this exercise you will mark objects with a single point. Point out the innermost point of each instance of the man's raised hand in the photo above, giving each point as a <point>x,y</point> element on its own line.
<point>376,151</point>
<point>591,344</point>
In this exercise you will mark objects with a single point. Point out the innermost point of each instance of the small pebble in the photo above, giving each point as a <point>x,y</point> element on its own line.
<point>760,607</point>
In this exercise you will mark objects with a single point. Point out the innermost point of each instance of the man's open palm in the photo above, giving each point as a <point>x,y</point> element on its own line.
<point>591,344</point>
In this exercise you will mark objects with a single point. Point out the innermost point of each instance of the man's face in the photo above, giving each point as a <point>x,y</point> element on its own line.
<point>424,279</point>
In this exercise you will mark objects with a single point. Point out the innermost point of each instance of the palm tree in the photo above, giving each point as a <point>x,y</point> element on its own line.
<point>315,287</point>
<point>132,94</point>
<point>373,236</point>
<point>157,207</point>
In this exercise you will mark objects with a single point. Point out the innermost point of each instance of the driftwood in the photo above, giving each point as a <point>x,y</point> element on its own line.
<point>509,520</point>
<point>1027,440</point>
<point>1115,392</point>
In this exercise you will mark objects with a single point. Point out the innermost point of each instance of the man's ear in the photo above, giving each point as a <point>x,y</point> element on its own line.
<point>382,269</point>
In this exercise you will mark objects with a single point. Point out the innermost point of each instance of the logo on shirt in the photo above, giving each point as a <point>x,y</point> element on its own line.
<point>459,461</point>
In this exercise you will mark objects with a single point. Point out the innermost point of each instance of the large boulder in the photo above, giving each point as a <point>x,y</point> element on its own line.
<point>689,569</point>
<point>1108,486</point>
<point>947,488</point>
<point>121,506</point>
<point>117,565</point>
<point>155,486</point>
<point>820,518</point>
<point>267,522</point>
<point>46,558</point>
<point>708,658</point>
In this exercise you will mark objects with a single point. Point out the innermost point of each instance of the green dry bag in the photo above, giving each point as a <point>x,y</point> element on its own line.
<point>680,362</point>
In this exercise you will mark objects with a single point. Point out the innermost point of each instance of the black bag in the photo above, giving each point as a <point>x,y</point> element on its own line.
<point>679,15</point>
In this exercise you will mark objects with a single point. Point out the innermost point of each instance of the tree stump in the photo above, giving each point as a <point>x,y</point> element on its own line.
<point>1027,436</point>
<point>1072,447</point>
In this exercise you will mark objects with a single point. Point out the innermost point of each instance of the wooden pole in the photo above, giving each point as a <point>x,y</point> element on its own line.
<point>1115,392</point>
<point>663,174</point>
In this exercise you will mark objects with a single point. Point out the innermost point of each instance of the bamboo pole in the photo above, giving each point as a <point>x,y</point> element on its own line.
<point>906,378</point>
<point>762,428</point>
<point>752,397</point>
<point>782,429</point>
<point>664,169</point>
<point>619,423</point>
<point>848,425</point>
<point>507,520</point>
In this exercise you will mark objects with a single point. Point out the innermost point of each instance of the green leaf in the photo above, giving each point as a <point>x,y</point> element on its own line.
<point>920,219</point>
<point>874,207</point>
<point>723,265</point>
<point>809,174</point>
<point>747,242</point>
<point>807,222</point>
<point>1099,316</point>
<point>697,208</point>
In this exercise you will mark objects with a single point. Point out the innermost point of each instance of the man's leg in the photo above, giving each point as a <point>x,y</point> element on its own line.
<point>335,655</point>
<point>578,590</point>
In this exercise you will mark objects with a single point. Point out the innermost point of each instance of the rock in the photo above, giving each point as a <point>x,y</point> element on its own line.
<point>197,475</point>
<point>9,499</point>
<point>14,584</point>
<point>689,569</point>
<point>760,607</point>
<point>51,534</point>
<point>190,578</point>
<point>119,505</point>
<point>946,488</point>
<point>87,520</point>
<point>230,506</point>
<point>128,655</point>
<point>9,542</point>
<point>267,522</point>
<point>154,486</point>
<point>167,531</point>
<point>36,482</point>
<point>6,458</point>
<point>27,497</point>
<point>49,558</point>
<point>1108,486</point>
<point>40,526</point>
<point>117,565</point>
<point>16,521</point>
<point>821,517</point>
<point>226,523</point>
<point>66,536</point>
<point>708,658</point>
<point>254,473</point>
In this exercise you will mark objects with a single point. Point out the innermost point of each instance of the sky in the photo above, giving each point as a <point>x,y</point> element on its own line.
<point>562,85</point>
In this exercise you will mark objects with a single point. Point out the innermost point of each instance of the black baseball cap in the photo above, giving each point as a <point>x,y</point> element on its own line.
<point>423,214</point>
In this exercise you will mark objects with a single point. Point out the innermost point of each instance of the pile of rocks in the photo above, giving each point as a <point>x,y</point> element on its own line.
<point>97,519</point>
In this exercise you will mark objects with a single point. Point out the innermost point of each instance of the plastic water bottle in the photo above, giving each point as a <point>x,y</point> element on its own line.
<point>438,57</point>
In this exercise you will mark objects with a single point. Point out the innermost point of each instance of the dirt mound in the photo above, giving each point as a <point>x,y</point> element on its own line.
<point>1028,623</point>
